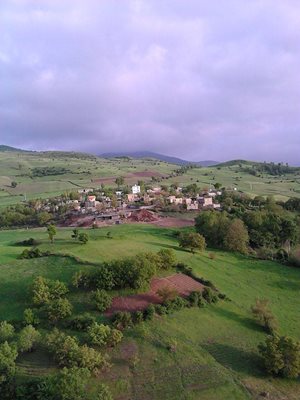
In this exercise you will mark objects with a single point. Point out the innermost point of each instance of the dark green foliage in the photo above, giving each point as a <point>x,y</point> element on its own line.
<point>166,258</point>
<point>149,312</point>
<point>192,241</point>
<point>48,171</point>
<point>32,253</point>
<point>209,295</point>
<point>83,238</point>
<point>138,317</point>
<point>264,315</point>
<point>81,322</point>
<point>30,318</point>
<point>122,320</point>
<point>46,290</point>
<point>8,355</point>
<point>58,309</point>
<point>28,338</point>
<point>281,356</point>
<point>28,242</point>
<point>175,305</point>
<point>75,233</point>
<point>7,331</point>
<point>160,309</point>
<point>101,299</point>
<point>196,299</point>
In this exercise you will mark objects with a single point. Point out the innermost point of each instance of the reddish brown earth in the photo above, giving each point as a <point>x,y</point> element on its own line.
<point>182,283</point>
<point>143,216</point>
<point>172,222</point>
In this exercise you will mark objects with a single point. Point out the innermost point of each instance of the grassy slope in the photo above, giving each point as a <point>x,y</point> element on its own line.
<point>84,170</point>
<point>216,356</point>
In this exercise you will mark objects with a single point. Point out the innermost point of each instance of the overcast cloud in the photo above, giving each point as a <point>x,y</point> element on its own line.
<point>215,79</point>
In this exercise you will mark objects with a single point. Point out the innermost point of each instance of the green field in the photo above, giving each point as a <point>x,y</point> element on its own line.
<point>216,355</point>
<point>83,171</point>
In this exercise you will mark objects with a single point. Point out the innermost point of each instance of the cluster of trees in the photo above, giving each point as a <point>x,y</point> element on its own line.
<point>133,272</point>
<point>257,228</point>
<point>23,214</point>
<point>269,168</point>
<point>82,237</point>
<point>48,171</point>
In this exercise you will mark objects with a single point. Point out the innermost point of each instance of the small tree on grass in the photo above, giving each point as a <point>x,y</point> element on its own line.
<point>236,237</point>
<point>83,238</point>
<point>70,384</point>
<point>192,241</point>
<point>6,331</point>
<point>167,258</point>
<point>101,299</point>
<point>167,293</point>
<point>28,338</point>
<point>264,315</point>
<point>51,229</point>
<point>14,184</point>
<point>8,355</point>
<point>99,334</point>
<point>281,356</point>
<point>30,318</point>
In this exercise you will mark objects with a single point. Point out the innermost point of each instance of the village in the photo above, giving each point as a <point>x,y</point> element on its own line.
<point>94,207</point>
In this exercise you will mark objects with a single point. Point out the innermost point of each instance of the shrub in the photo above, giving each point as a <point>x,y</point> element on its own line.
<point>209,295</point>
<point>45,290</point>
<point>196,299</point>
<point>122,320</point>
<point>98,334</point>
<point>8,355</point>
<point>82,322</point>
<point>69,384</point>
<point>264,315</point>
<point>101,299</point>
<point>167,293</point>
<point>166,258</point>
<point>83,238</point>
<point>6,331</point>
<point>281,356</point>
<point>32,253</point>
<point>160,309</point>
<point>28,242</point>
<point>138,317</point>
<point>115,337</point>
<point>149,312</point>
<point>28,338</point>
<point>175,305</point>
<point>192,241</point>
<point>81,279</point>
<point>103,278</point>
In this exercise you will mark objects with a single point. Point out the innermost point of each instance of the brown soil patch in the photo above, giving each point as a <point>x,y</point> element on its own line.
<point>182,283</point>
<point>142,216</point>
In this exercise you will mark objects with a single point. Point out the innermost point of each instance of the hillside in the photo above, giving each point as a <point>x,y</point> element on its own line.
<point>48,174</point>
<point>216,353</point>
<point>157,156</point>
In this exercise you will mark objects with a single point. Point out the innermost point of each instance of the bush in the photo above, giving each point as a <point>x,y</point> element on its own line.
<point>83,238</point>
<point>281,356</point>
<point>196,299</point>
<point>209,295</point>
<point>167,293</point>
<point>28,242</point>
<point>138,317</point>
<point>82,322</point>
<point>98,334</point>
<point>81,279</point>
<point>160,309</point>
<point>167,258</point>
<point>45,290</point>
<point>175,305</point>
<point>8,355</point>
<point>149,312</point>
<point>32,253</point>
<point>192,241</point>
<point>102,300</point>
<point>28,338</point>
<point>30,318</point>
<point>122,320</point>
<point>264,315</point>
<point>6,331</point>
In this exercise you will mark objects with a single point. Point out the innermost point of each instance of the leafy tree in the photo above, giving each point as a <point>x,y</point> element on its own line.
<point>236,238</point>
<point>213,226</point>
<point>264,315</point>
<point>58,309</point>
<point>51,229</point>
<point>14,184</point>
<point>167,258</point>
<point>6,331</point>
<point>45,290</point>
<point>82,322</point>
<point>83,237</point>
<point>192,241</point>
<point>29,317</point>
<point>43,218</point>
<point>119,181</point>
<point>102,299</point>
<point>8,355</point>
<point>122,320</point>
<point>281,356</point>
<point>28,338</point>
<point>102,393</point>
<point>70,384</point>
<point>99,334</point>
<point>209,295</point>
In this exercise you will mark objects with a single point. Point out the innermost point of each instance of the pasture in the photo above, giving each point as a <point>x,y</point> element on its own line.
<point>216,356</point>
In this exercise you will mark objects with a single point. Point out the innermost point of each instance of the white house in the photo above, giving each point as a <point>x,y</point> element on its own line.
<point>136,189</point>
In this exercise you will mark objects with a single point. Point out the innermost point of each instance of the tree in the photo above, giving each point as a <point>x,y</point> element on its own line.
<point>14,184</point>
<point>70,384</point>
<point>237,238</point>
<point>28,338</point>
<point>281,356</point>
<point>217,185</point>
<point>119,181</point>
<point>59,309</point>
<point>101,299</point>
<point>167,293</point>
<point>29,317</point>
<point>51,229</point>
<point>264,315</point>
<point>6,331</point>
<point>45,290</point>
<point>83,238</point>
<point>43,218</point>
<point>192,241</point>
<point>8,355</point>
<point>167,258</point>
<point>99,334</point>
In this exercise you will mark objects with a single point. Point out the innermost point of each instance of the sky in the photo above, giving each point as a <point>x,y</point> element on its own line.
<point>197,79</point>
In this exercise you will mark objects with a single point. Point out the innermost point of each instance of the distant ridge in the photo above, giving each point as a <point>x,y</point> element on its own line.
<point>157,156</point>
<point>3,147</point>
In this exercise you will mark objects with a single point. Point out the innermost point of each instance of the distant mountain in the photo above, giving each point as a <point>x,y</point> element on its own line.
<point>9,148</point>
<point>157,156</point>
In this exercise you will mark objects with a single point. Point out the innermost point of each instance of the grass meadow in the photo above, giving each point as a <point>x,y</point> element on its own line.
<point>216,356</point>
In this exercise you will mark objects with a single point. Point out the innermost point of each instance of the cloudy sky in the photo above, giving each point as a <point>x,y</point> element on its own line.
<point>199,79</point>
